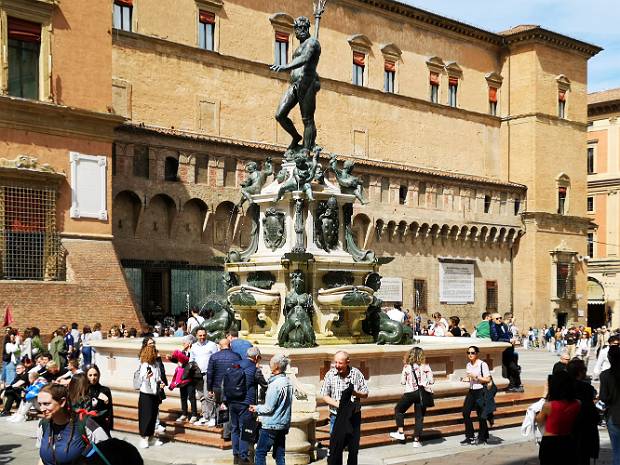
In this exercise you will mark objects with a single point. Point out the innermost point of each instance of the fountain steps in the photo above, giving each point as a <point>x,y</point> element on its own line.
<point>444,419</point>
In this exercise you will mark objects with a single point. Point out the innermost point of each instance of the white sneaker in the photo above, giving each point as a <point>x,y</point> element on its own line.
<point>144,443</point>
<point>193,420</point>
<point>181,419</point>
<point>398,436</point>
<point>211,422</point>
<point>155,442</point>
<point>201,422</point>
<point>417,443</point>
<point>160,429</point>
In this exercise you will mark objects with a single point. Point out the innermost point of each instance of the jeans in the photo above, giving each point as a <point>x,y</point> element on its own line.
<point>407,400</point>
<point>207,405</point>
<point>239,416</point>
<point>471,403</point>
<point>87,355</point>
<point>8,372</point>
<point>614,436</point>
<point>268,438</point>
<point>188,392</point>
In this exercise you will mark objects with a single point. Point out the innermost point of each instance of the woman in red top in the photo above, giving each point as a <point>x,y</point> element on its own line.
<point>558,416</point>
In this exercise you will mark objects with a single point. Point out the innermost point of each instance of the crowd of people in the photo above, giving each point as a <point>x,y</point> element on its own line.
<point>223,384</point>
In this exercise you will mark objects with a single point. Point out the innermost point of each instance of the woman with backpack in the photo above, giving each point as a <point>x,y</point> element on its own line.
<point>186,376</point>
<point>148,402</point>
<point>63,438</point>
<point>416,375</point>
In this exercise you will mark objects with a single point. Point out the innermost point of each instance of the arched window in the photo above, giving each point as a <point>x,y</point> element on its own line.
<point>563,190</point>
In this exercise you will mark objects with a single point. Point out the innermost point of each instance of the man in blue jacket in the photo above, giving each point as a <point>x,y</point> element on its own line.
<point>218,364</point>
<point>275,413</point>
<point>240,415</point>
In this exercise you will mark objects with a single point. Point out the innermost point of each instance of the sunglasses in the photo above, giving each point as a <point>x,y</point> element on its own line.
<point>498,318</point>
<point>471,353</point>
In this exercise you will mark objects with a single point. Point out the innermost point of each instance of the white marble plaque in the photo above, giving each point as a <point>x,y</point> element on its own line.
<point>88,186</point>
<point>456,283</point>
<point>391,290</point>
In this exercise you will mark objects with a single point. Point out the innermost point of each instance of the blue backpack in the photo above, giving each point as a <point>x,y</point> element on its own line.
<point>234,385</point>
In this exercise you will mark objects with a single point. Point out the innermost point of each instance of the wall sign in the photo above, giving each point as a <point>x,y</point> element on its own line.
<point>391,290</point>
<point>88,186</point>
<point>456,283</point>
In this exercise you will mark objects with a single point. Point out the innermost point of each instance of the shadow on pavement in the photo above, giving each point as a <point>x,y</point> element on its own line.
<point>5,452</point>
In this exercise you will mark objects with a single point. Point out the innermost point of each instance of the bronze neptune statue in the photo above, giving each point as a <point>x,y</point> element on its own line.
<point>304,86</point>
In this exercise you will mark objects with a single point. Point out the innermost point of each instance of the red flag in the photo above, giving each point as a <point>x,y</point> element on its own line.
<point>8,316</point>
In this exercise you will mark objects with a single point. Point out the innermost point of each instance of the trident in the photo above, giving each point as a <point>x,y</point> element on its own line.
<point>319,9</point>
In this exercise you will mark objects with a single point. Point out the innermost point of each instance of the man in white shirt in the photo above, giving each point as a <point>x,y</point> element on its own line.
<point>602,362</point>
<point>396,313</point>
<point>200,353</point>
<point>194,321</point>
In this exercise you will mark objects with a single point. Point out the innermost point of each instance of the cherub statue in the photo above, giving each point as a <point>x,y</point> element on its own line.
<point>303,174</point>
<point>255,180</point>
<point>346,179</point>
<point>327,224</point>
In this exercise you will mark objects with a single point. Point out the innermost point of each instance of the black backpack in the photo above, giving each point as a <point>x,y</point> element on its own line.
<point>233,384</point>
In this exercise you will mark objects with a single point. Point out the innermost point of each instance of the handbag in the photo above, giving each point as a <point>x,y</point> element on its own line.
<point>426,398</point>
<point>250,430</point>
<point>222,415</point>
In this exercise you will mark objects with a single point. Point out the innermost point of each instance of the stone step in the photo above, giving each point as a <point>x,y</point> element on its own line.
<point>384,439</point>
<point>371,426</point>
<point>191,436</point>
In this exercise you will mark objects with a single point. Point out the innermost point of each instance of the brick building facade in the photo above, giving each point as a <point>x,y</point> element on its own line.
<point>469,142</point>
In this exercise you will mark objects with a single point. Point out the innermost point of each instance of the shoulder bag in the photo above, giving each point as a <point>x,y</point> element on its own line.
<point>425,398</point>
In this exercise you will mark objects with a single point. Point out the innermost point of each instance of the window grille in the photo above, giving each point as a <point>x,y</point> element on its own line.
<point>590,204</point>
<point>419,295</point>
<point>30,248</point>
<point>491,296</point>
<point>565,279</point>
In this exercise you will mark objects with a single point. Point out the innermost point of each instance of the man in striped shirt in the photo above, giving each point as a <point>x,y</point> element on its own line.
<point>336,381</point>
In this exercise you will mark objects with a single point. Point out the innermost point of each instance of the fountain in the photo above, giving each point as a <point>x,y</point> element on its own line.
<point>303,285</point>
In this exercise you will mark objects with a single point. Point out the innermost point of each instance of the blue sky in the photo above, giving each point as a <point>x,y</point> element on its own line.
<point>593,21</point>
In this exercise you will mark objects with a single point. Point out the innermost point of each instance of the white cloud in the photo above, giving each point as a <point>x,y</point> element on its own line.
<point>593,21</point>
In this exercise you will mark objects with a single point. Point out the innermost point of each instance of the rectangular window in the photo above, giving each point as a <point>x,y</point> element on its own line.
<point>123,9</point>
<point>565,280</point>
<point>591,160</point>
<point>487,203</point>
<point>493,101</point>
<point>359,60</point>
<point>517,206</point>
<point>230,172</point>
<point>491,296</point>
<point>389,76</point>
<point>561,200</point>
<point>141,161</point>
<point>23,57</point>
<point>202,169</point>
<point>590,204</point>
<point>419,295</point>
<point>30,248</point>
<point>402,195</point>
<point>206,30</point>
<point>453,85</point>
<point>422,194</point>
<point>385,190</point>
<point>281,48</point>
<point>434,85</point>
<point>562,104</point>
<point>590,245</point>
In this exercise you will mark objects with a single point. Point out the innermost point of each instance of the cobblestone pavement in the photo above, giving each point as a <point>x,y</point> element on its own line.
<point>17,441</point>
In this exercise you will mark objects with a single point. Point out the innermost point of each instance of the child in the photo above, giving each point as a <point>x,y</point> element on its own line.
<point>185,378</point>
